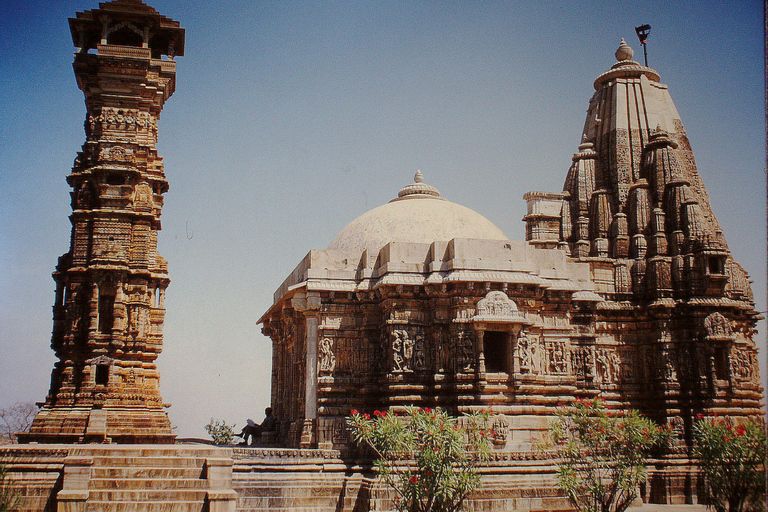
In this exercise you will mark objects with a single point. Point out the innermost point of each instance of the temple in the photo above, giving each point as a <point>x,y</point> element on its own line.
<point>108,315</point>
<point>624,289</point>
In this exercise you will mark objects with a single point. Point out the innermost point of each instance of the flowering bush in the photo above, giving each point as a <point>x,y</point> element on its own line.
<point>602,453</point>
<point>733,461</point>
<point>220,432</point>
<point>426,456</point>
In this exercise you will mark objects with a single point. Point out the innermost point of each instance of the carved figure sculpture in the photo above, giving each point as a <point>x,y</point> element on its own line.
<point>327,358</point>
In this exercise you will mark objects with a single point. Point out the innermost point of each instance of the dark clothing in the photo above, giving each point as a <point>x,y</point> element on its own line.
<point>254,431</point>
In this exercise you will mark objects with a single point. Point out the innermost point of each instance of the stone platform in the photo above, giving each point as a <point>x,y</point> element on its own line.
<point>118,478</point>
<point>198,477</point>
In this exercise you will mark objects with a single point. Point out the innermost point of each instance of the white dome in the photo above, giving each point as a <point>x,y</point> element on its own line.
<point>418,215</point>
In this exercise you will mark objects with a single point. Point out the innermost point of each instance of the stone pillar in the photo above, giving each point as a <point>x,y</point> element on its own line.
<point>309,305</point>
<point>308,434</point>
<point>480,354</point>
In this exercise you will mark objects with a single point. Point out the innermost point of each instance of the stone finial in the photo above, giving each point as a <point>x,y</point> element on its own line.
<point>418,188</point>
<point>624,52</point>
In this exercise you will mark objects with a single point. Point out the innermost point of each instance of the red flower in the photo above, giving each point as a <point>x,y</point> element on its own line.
<point>699,416</point>
<point>436,449</point>
<point>429,472</point>
<point>378,413</point>
<point>414,479</point>
<point>428,410</point>
<point>366,416</point>
<point>354,412</point>
<point>740,430</point>
<point>727,439</point>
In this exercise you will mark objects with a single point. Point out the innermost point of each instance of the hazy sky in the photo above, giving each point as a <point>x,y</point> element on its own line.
<point>290,119</point>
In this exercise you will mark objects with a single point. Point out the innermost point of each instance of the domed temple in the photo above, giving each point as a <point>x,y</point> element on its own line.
<point>624,289</point>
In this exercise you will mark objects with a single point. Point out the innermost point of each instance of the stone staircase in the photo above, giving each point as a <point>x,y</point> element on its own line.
<point>110,478</point>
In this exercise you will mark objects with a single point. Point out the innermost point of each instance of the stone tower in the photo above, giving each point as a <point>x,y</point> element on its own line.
<point>109,312</point>
<point>634,207</point>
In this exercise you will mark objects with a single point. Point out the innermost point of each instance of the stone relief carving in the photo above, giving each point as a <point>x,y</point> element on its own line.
<point>668,362</point>
<point>608,366</point>
<point>496,306</point>
<point>583,363</point>
<point>717,326</point>
<point>419,356</point>
<point>465,352</point>
<point>443,352</point>
<point>556,356</point>
<point>339,432</point>
<point>327,359</point>
<point>742,365</point>
<point>531,354</point>
<point>500,429</point>
<point>408,351</point>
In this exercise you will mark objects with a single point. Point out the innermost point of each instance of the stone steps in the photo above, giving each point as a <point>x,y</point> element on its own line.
<point>145,506</point>
<point>146,472</point>
<point>146,461</point>
<point>138,495</point>
<point>149,479</point>
<point>162,482</point>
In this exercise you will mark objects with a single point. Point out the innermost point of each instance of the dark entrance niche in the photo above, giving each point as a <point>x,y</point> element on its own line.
<point>102,374</point>
<point>106,312</point>
<point>496,351</point>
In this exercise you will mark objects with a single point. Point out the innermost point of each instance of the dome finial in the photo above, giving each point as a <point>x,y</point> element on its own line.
<point>624,52</point>
<point>418,188</point>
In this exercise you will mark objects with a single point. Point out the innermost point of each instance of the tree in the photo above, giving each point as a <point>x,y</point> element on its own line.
<point>16,418</point>
<point>733,461</point>
<point>602,453</point>
<point>428,458</point>
<point>220,432</point>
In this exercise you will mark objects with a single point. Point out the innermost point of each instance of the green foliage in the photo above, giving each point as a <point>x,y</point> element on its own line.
<point>220,432</point>
<point>733,460</point>
<point>602,454</point>
<point>8,499</point>
<point>426,456</point>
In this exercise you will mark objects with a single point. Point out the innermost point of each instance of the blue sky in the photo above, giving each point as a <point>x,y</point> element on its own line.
<point>290,119</point>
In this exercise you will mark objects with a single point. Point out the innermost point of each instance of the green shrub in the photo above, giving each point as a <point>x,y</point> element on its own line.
<point>220,432</point>
<point>602,453</point>
<point>733,460</point>
<point>426,456</point>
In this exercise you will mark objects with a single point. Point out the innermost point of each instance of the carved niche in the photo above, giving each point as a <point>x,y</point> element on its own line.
<point>465,351</point>
<point>608,366</point>
<point>531,353</point>
<point>326,357</point>
<point>557,357</point>
<point>500,430</point>
<point>497,307</point>
<point>718,327</point>
<point>408,351</point>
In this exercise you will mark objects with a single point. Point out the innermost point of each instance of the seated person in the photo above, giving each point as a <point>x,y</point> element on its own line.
<point>252,430</point>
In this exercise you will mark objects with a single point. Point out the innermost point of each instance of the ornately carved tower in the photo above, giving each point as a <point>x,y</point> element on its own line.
<point>109,312</point>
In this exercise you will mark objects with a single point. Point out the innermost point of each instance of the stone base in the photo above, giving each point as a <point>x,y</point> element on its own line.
<point>117,478</point>
<point>126,425</point>
<point>196,478</point>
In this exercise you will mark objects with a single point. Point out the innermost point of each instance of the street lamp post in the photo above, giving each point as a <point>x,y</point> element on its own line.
<point>642,34</point>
